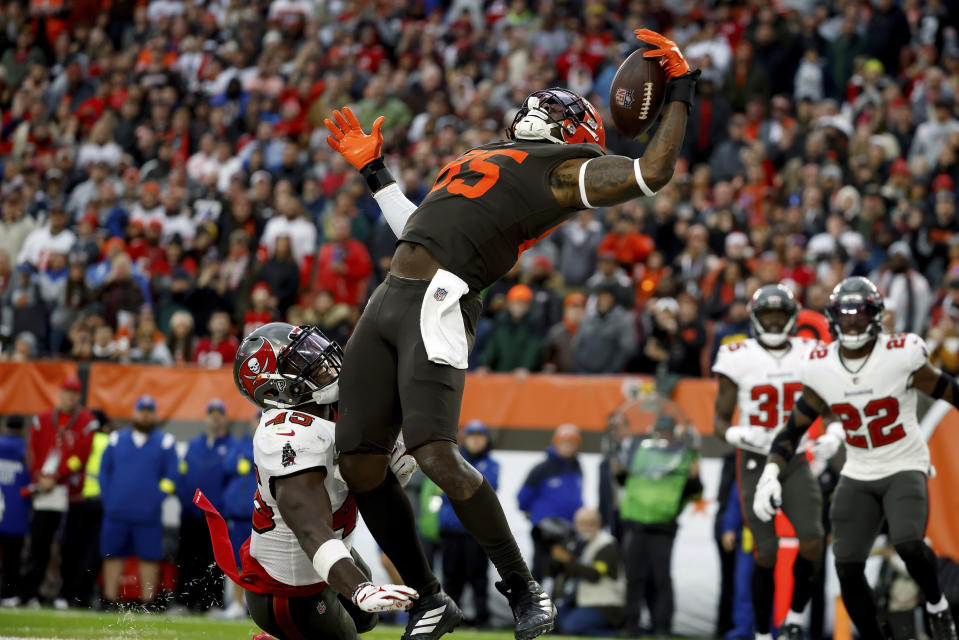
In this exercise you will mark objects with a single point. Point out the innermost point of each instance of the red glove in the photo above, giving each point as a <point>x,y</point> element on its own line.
<point>673,61</point>
<point>349,140</point>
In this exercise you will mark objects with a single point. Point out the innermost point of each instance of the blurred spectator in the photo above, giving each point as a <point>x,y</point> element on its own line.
<point>181,338</point>
<point>554,487</point>
<point>15,227</point>
<point>886,34</point>
<point>15,515</point>
<point>726,163</point>
<point>905,291</point>
<point>344,265</point>
<point>610,276</point>
<point>661,475</point>
<point>219,348</point>
<point>200,584</point>
<point>600,595</point>
<point>737,539</point>
<point>121,295</point>
<point>137,474</point>
<point>606,337</point>
<point>281,274</point>
<point>57,447</point>
<point>558,354</point>
<point>23,309</point>
<point>54,237</point>
<point>513,344</point>
<point>239,487</point>
<point>464,561</point>
<point>547,286</point>
<point>579,240</point>
<point>625,241</point>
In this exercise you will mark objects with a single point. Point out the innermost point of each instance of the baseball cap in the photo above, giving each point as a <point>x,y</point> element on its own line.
<point>215,405</point>
<point>146,403</point>
<point>475,426</point>
<point>520,292</point>
<point>72,384</point>
<point>899,167</point>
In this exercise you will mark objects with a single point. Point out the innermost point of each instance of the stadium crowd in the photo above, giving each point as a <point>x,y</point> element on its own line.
<point>167,186</point>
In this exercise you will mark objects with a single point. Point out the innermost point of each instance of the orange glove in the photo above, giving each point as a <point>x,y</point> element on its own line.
<point>673,61</point>
<point>349,140</point>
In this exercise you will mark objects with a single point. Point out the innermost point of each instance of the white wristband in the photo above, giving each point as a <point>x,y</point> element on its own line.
<point>582,184</point>
<point>639,180</point>
<point>329,553</point>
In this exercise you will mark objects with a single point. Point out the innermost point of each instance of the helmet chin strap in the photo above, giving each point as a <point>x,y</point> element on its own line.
<point>855,340</point>
<point>535,125</point>
<point>328,394</point>
<point>773,340</point>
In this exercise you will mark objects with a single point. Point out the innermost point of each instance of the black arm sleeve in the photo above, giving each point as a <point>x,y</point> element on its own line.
<point>787,440</point>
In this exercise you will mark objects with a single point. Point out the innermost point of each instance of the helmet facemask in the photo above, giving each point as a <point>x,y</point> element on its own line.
<point>772,326</point>
<point>558,116</point>
<point>310,367</point>
<point>854,323</point>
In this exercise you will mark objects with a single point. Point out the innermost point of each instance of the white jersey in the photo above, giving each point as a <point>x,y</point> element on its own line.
<point>288,443</point>
<point>769,382</point>
<point>876,404</point>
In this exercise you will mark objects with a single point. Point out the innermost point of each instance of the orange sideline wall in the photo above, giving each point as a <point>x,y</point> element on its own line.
<point>501,400</point>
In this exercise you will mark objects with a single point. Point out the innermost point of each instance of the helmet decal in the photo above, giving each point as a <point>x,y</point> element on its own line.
<point>262,361</point>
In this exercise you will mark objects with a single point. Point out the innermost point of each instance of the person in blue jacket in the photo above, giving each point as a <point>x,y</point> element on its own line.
<point>138,471</point>
<point>14,506</point>
<point>737,537</point>
<point>464,561</point>
<point>553,488</point>
<point>238,504</point>
<point>200,584</point>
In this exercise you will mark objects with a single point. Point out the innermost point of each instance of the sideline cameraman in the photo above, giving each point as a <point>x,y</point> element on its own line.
<point>600,591</point>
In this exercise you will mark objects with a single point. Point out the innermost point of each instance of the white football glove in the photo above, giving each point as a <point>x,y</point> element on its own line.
<point>827,445</point>
<point>402,463</point>
<point>388,597</point>
<point>755,439</point>
<point>769,493</point>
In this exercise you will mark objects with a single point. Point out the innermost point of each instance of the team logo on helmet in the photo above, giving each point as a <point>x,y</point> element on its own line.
<point>263,361</point>
<point>624,97</point>
<point>440,294</point>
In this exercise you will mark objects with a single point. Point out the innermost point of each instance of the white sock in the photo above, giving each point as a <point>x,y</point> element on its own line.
<point>764,636</point>
<point>794,617</point>
<point>936,607</point>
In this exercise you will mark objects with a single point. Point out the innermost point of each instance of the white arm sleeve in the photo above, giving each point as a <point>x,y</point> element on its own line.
<point>395,206</point>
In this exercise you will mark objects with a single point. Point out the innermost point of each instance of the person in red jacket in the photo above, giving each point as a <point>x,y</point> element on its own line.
<point>219,348</point>
<point>627,243</point>
<point>57,450</point>
<point>345,265</point>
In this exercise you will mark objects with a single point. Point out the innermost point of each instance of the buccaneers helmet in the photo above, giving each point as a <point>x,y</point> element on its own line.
<point>560,116</point>
<point>854,312</point>
<point>772,331</point>
<point>279,366</point>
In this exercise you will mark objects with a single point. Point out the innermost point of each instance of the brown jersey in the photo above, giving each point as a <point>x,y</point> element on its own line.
<point>491,203</point>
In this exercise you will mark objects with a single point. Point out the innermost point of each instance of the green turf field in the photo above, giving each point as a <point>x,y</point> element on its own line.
<point>47,623</point>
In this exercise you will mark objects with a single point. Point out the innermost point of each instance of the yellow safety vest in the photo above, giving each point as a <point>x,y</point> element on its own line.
<point>91,484</point>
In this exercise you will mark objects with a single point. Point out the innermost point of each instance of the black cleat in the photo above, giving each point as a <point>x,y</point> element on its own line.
<point>790,632</point>
<point>943,628</point>
<point>533,611</point>
<point>431,617</point>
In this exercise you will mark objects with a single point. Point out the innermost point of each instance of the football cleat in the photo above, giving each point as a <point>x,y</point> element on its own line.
<point>533,610</point>
<point>942,626</point>
<point>790,632</point>
<point>431,617</point>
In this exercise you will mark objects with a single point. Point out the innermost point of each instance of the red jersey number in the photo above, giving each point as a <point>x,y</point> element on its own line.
<point>344,518</point>
<point>768,397</point>
<point>297,418</point>
<point>476,161</point>
<point>896,341</point>
<point>884,412</point>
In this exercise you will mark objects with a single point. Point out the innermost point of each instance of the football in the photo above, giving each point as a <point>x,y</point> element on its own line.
<point>637,94</point>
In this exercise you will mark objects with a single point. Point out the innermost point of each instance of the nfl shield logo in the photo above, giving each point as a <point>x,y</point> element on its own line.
<point>440,294</point>
<point>624,97</point>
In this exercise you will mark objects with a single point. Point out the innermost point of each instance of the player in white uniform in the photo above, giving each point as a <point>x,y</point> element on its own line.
<point>302,579</point>
<point>762,377</point>
<point>869,380</point>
